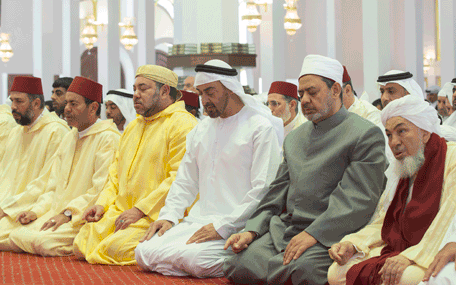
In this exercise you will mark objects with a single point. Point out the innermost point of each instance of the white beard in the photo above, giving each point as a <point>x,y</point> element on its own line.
<point>286,115</point>
<point>410,165</point>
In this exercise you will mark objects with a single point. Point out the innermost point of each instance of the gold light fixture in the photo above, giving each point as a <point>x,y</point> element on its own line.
<point>252,17</point>
<point>89,34</point>
<point>128,38</point>
<point>6,51</point>
<point>292,22</point>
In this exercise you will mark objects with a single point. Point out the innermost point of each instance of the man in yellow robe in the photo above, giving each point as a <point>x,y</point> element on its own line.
<point>73,180</point>
<point>31,144</point>
<point>150,151</point>
<point>401,243</point>
<point>7,123</point>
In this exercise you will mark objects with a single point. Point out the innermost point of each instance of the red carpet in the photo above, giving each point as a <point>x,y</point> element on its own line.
<point>22,268</point>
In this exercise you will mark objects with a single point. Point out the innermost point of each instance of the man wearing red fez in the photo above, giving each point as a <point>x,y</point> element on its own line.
<point>28,149</point>
<point>150,151</point>
<point>53,205</point>
<point>283,101</point>
<point>192,103</point>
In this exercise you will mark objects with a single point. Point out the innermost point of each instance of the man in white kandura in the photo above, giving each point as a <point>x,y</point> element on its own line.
<point>230,160</point>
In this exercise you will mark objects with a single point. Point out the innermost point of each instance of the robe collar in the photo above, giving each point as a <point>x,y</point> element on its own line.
<point>98,127</point>
<point>175,107</point>
<point>332,121</point>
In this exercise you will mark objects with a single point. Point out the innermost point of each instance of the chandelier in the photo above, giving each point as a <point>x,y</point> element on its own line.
<point>89,35</point>
<point>252,17</point>
<point>128,38</point>
<point>292,22</point>
<point>6,51</point>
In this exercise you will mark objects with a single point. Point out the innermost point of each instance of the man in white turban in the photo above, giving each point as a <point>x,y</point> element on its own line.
<point>444,104</point>
<point>230,160</point>
<point>402,242</point>
<point>396,84</point>
<point>326,187</point>
<point>119,107</point>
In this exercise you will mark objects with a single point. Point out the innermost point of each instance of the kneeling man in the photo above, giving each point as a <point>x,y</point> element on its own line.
<point>230,160</point>
<point>326,187</point>
<point>77,174</point>
<point>399,245</point>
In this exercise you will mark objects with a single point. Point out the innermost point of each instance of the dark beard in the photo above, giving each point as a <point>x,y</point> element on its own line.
<point>25,119</point>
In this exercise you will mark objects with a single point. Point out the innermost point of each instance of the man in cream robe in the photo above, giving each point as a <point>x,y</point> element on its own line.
<point>401,117</point>
<point>326,187</point>
<point>7,123</point>
<point>76,175</point>
<point>149,154</point>
<point>283,100</point>
<point>231,158</point>
<point>31,144</point>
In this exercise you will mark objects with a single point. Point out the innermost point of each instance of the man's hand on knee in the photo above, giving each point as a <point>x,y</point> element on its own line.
<point>297,246</point>
<point>393,268</point>
<point>342,252</point>
<point>206,233</point>
<point>446,254</point>
<point>26,217</point>
<point>239,242</point>
<point>93,214</point>
<point>161,226</point>
<point>127,218</point>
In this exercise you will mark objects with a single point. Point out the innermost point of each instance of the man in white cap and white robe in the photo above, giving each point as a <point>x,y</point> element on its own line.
<point>402,242</point>
<point>119,107</point>
<point>231,159</point>
<point>326,187</point>
<point>444,101</point>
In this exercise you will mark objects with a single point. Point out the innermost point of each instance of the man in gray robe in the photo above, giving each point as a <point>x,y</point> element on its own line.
<point>327,186</point>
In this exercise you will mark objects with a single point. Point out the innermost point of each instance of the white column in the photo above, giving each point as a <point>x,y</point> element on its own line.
<point>44,57</point>
<point>71,60</point>
<point>146,32</point>
<point>331,28</point>
<point>272,45</point>
<point>413,40</point>
<point>447,40</point>
<point>108,45</point>
<point>376,44</point>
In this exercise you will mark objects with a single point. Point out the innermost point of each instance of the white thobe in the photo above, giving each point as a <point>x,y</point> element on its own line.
<point>448,274</point>
<point>295,123</point>
<point>230,163</point>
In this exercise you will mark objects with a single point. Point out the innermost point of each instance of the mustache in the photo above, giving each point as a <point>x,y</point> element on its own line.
<point>17,113</point>
<point>209,105</point>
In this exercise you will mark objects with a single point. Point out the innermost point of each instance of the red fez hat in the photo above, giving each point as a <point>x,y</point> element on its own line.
<point>346,77</point>
<point>27,84</point>
<point>190,98</point>
<point>87,88</point>
<point>284,88</point>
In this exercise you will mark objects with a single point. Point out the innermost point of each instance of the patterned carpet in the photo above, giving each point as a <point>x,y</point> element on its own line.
<point>22,268</point>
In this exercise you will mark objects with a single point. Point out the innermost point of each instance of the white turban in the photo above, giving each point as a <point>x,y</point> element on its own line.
<point>447,91</point>
<point>415,110</point>
<point>233,84</point>
<point>322,66</point>
<point>409,84</point>
<point>124,103</point>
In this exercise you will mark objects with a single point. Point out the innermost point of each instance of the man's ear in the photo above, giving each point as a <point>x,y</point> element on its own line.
<point>165,90</point>
<point>347,88</point>
<point>292,105</point>
<point>426,136</point>
<point>336,89</point>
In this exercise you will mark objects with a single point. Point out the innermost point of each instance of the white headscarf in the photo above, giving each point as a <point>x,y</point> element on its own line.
<point>323,66</point>
<point>409,84</point>
<point>233,84</point>
<point>415,110</point>
<point>125,104</point>
<point>447,91</point>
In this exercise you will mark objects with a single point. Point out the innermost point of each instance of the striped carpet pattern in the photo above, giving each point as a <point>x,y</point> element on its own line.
<point>23,268</point>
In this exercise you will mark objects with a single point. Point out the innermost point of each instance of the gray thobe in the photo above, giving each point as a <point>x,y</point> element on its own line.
<point>328,185</point>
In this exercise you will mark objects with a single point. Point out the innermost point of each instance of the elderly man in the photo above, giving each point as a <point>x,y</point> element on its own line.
<point>149,154</point>
<point>72,180</point>
<point>192,103</point>
<point>119,107</point>
<point>326,187</point>
<point>59,89</point>
<point>399,245</point>
<point>230,181</point>
<point>445,99</point>
<point>283,101</point>
<point>432,95</point>
<point>7,123</point>
<point>31,144</point>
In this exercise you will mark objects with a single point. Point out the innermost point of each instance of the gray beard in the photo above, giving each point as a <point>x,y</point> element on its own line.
<point>410,165</point>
